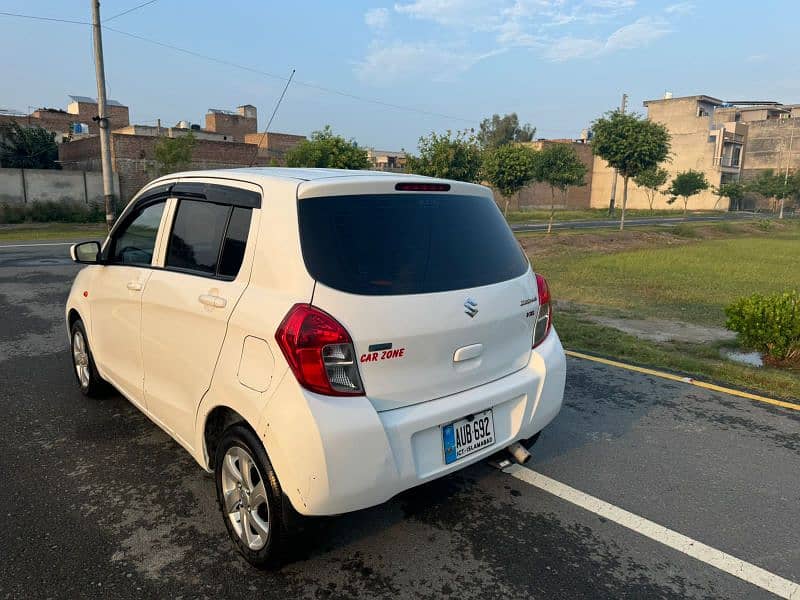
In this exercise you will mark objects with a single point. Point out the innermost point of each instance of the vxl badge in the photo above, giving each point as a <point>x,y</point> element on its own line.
<point>471,307</point>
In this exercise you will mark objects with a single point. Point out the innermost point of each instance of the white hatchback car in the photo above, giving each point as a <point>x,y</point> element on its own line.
<point>319,339</point>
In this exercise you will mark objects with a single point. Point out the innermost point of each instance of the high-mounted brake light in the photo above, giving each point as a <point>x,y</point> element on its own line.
<point>544,318</point>
<point>422,187</point>
<point>319,351</point>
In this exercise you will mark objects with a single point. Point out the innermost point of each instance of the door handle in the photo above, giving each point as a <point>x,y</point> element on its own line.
<point>212,301</point>
<point>134,286</point>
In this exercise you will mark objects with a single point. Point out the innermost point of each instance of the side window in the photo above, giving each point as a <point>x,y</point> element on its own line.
<point>135,242</point>
<point>197,236</point>
<point>208,238</point>
<point>235,242</point>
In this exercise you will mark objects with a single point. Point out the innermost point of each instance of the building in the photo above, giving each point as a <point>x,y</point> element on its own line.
<point>133,157</point>
<point>272,147</point>
<point>230,139</point>
<point>387,160</point>
<point>727,141</point>
<point>235,124</point>
<point>72,123</point>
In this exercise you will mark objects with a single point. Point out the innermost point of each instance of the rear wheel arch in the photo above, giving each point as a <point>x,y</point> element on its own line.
<point>217,421</point>
<point>72,316</point>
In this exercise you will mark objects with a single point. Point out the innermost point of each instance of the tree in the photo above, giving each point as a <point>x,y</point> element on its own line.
<point>775,186</point>
<point>499,131</point>
<point>326,149</point>
<point>449,156</point>
<point>559,166</point>
<point>686,184</point>
<point>509,168</point>
<point>651,181</point>
<point>27,147</point>
<point>735,192</point>
<point>174,154</point>
<point>630,144</point>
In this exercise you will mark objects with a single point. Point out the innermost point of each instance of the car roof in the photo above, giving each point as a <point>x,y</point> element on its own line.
<point>316,182</point>
<point>299,174</point>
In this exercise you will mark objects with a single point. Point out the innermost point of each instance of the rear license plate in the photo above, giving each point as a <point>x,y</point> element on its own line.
<point>465,436</point>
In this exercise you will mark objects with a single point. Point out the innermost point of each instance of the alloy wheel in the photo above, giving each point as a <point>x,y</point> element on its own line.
<point>245,498</point>
<point>80,358</point>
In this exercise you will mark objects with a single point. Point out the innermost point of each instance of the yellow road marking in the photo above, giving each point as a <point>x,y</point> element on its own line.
<point>689,380</point>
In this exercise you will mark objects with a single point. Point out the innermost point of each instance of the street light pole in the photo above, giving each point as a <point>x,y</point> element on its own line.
<point>102,116</point>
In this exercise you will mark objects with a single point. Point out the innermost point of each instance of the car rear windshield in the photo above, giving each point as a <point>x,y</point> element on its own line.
<point>387,244</point>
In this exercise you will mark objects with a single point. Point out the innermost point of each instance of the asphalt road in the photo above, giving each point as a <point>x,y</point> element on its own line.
<point>99,502</point>
<point>636,222</point>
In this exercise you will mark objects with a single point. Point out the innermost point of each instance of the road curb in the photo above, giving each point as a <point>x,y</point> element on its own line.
<point>701,384</point>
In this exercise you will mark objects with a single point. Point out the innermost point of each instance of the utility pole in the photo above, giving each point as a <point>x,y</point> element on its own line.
<point>786,174</point>
<point>102,117</point>
<point>622,107</point>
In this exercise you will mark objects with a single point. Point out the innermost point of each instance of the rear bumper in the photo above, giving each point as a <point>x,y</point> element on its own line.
<point>335,455</point>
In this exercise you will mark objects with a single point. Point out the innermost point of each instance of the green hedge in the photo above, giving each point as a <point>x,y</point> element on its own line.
<point>769,324</point>
<point>51,212</point>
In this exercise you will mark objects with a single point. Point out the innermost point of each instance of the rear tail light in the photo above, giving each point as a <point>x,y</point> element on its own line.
<point>544,318</point>
<point>319,351</point>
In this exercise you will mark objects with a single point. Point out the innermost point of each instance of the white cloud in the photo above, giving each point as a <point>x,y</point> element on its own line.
<point>681,8</point>
<point>401,61</point>
<point>377,18</point>
<point>570,48</point>
<point>472,13</point>
<point>637,34</point>
<point>559,30</point>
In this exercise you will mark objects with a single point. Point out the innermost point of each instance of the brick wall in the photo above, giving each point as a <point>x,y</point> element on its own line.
<point>768,146</point>
<point>538,195</point>
<point>117,116</point>
<point>272,147</point>
<point>133,158</point>
<point>234,126</point>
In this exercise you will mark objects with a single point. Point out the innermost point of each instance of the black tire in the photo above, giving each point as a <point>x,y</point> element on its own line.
<point>278,516</point>
<point>92,386</point>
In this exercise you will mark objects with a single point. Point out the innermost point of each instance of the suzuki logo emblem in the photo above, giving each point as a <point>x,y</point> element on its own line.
<point>471,307</point>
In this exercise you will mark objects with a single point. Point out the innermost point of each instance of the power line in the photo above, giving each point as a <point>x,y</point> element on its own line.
<point>52,19</point>
<point>284,78</point>
<point>130,10</point>
<point>228,63</point>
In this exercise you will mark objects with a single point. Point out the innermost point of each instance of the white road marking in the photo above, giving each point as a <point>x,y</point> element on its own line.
<point>33,245</point>
<point>716,558</point>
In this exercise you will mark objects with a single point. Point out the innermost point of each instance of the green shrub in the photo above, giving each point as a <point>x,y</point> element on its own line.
<point>12,213</point>
<point>685,230</point>
<point>769,324</point>
<point>51,212</point>
<point>765,224</point>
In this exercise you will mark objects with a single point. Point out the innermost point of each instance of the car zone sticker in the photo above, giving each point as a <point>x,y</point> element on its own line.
<point>380,352</point>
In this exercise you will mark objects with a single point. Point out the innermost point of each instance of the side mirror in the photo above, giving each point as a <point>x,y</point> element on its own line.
<point>85,253</point>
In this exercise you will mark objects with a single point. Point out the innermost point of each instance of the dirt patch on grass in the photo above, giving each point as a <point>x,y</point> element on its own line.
<point>610,242</point>
<point>597,242</point>
<point>661,330</point>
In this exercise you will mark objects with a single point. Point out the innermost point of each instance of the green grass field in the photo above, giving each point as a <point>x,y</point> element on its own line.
<point>52,231</point>
<point>686,274</point>
<point>526,216</point>
<point>689,282</point>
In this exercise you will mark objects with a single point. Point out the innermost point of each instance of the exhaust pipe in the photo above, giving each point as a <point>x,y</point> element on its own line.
<point>520,454</point>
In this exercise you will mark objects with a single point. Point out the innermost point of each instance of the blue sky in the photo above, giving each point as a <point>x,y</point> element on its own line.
<point>557,63</point>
